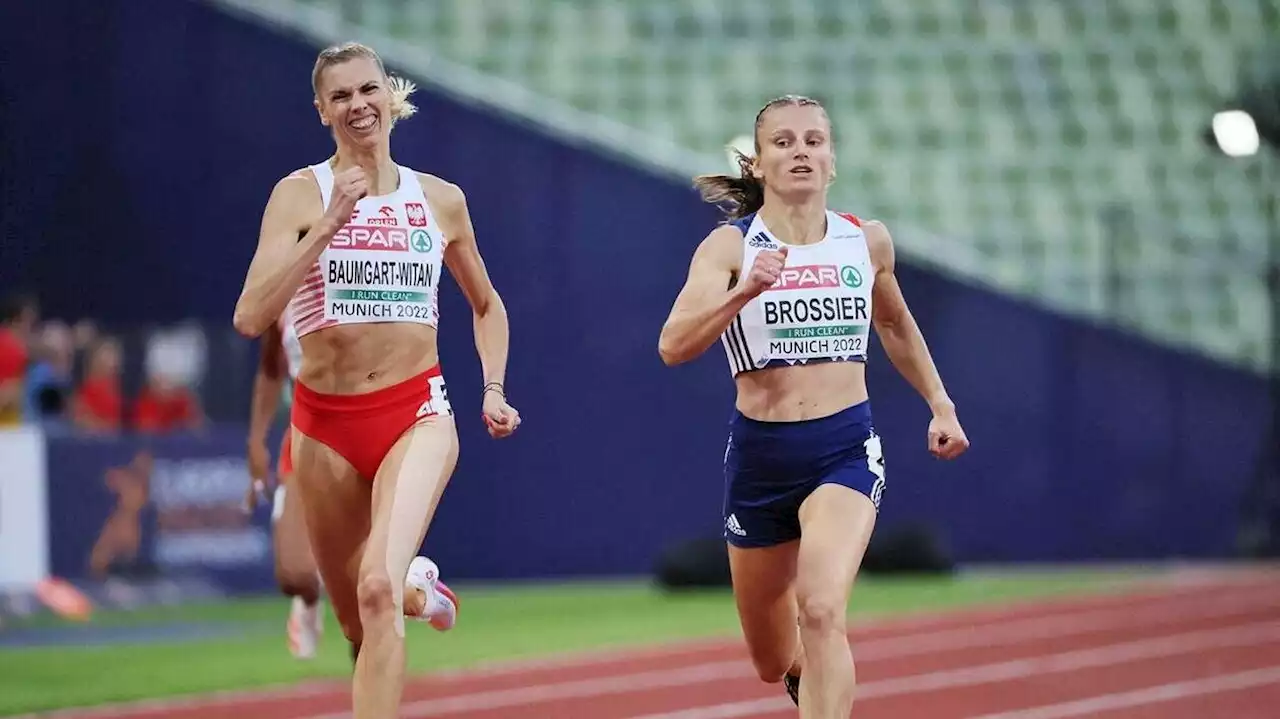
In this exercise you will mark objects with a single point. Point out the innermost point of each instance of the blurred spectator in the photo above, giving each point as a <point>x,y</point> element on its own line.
<point>165,405</point>
<point>98,406</point>
<point>84,333</point>
<point>173,365</point>
<point>18,315</point>
<point>51,375</point>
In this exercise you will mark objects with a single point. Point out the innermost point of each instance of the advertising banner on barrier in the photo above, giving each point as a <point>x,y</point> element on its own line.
<point>156,507</point>
<point>24,549</point>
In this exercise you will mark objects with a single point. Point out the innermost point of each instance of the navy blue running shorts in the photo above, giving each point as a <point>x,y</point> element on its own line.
<point>771,467</point>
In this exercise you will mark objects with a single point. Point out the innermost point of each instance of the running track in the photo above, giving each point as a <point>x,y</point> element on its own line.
<point>1203,647</point>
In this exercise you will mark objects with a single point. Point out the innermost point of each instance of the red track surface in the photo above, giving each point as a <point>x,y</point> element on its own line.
<point>1206,648</point>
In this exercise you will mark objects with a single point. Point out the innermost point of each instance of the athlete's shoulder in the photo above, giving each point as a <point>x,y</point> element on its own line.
<point>443,196</point>
<point>869,227</point>
<point>742,224</point>
<point>876,232</point>
<point>726,236</point>
<point>721,247</point>
<point>296,189</point>
<point>303,175</point>
<point>879,243</point>
<point>302,179</point>
<point>448,204</point>
<point>729,234</point>
<point>435,184</point>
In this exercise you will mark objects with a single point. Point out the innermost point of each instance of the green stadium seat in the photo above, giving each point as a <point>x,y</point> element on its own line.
<point>1001,139</point>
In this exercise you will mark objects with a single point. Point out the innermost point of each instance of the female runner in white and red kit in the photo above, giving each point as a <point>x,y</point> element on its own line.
<point>295,567</point>
<point>355,247</point>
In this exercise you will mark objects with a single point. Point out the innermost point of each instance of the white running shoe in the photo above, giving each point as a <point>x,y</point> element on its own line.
<point>441,610</point>
<point>304,628</point>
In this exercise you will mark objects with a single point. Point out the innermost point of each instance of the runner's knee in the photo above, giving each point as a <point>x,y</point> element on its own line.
<point>295,581</point>
<point>770,665</point>
<point>822,611</point>
<point>376,597</point>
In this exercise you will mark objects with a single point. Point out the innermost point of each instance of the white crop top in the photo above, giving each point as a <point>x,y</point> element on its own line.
<point>819,310</point>
<point>383,266</point>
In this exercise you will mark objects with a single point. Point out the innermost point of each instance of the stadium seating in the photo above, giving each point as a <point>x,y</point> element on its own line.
<point>1052,149</point>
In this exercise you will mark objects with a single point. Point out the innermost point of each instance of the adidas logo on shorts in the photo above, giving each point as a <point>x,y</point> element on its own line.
<point>732,525</point>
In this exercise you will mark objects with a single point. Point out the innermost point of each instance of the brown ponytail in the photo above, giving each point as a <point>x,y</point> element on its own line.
<point>740,195</point>
<point>744,194</point>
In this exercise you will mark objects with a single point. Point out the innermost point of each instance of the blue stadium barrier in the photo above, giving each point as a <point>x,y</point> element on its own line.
<point>147,507</point>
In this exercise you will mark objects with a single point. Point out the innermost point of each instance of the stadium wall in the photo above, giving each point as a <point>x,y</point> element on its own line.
<point>143,139</point>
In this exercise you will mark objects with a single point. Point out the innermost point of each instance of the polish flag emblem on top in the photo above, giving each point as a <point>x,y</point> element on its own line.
<point>417,214</point>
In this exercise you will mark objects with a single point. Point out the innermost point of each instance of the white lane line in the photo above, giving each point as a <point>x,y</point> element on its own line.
<point>1191,642</point>
<point>1148,695</point>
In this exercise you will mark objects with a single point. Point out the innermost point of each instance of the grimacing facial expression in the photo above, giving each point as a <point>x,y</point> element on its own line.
<point>354,100</point>
<point>793,149</point>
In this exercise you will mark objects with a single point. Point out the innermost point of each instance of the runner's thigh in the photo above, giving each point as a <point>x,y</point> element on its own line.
<point>336,504</point>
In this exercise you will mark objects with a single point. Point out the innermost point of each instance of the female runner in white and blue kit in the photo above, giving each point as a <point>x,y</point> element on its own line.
<point>792,290</point>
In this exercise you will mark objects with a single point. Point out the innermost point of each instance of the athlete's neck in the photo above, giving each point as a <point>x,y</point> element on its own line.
<point>802,223</point>
<point>381,171</point>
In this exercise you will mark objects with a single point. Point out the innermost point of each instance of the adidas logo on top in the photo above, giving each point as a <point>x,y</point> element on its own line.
<point>732,525</point>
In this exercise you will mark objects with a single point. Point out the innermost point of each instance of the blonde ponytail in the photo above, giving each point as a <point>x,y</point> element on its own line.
<point>401,89</point>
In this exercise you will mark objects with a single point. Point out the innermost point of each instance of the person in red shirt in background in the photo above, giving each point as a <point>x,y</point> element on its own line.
<point>18,316</point>
<point>165,405</point>
<point>97,405</point>
<point>173,363</point>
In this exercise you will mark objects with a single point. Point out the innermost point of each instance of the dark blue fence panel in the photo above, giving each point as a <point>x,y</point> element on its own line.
<point>169,507</point>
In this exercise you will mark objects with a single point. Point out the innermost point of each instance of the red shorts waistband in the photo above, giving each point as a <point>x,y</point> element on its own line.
<point>377,401</point>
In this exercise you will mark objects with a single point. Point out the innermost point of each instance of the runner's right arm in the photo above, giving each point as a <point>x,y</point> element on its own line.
<point>282,260</point>
<point>707,304</point>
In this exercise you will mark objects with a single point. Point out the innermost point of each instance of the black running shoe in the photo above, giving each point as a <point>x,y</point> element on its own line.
<point>792,683</point>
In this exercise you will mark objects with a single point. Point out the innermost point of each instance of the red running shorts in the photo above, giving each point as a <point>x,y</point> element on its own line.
<point>363,427</point>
